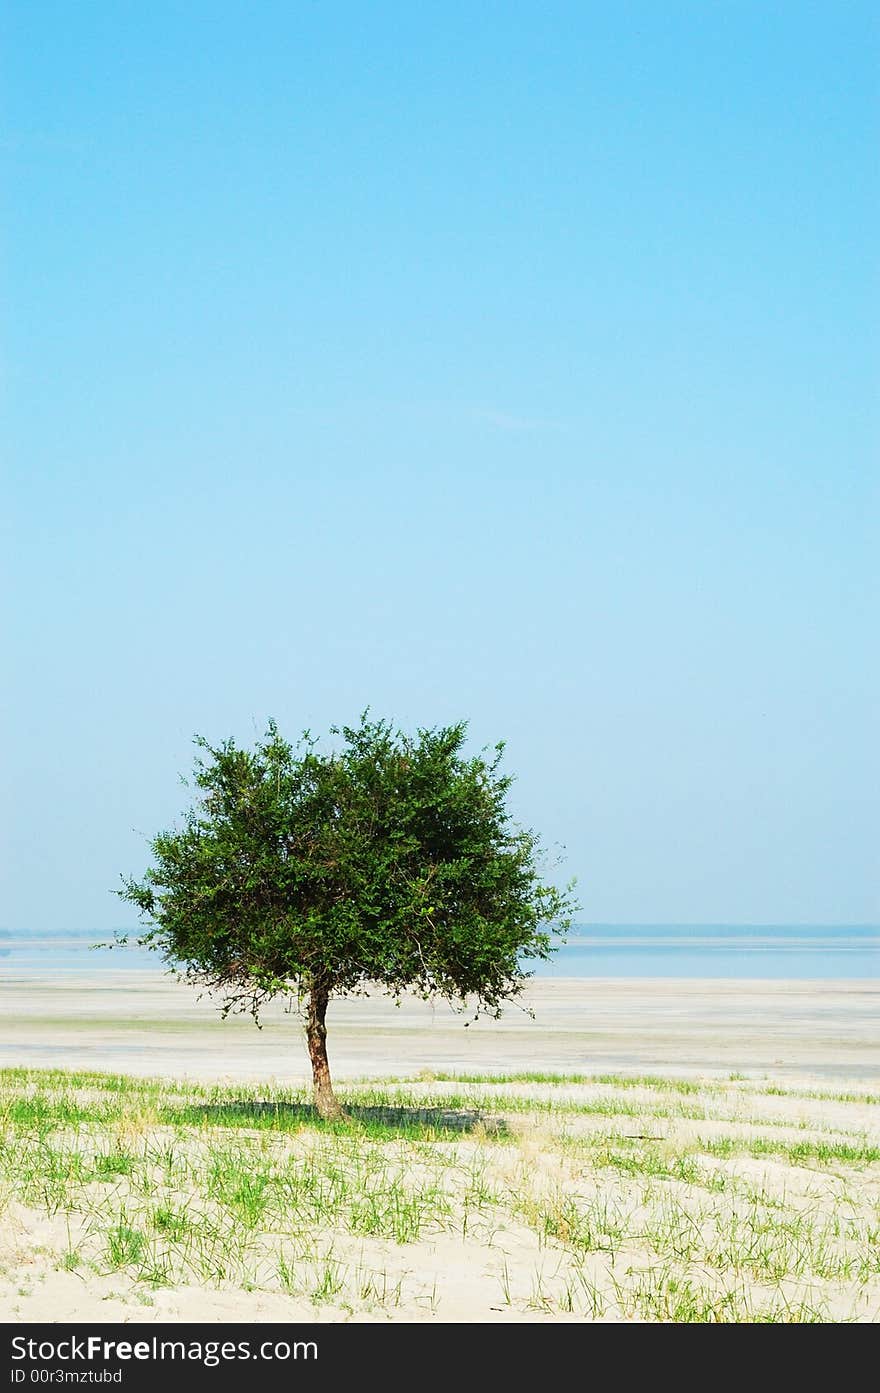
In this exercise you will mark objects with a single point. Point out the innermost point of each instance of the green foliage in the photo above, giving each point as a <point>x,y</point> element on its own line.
<point>392,861</point>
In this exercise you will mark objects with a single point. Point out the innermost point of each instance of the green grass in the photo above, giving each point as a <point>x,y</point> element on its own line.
<point>125,1246</point>
<point>798,1153</point>
<point>661,1294</point>
<point>820,1095</point>
<point>619,1081</point>
<point>650,1082</point>
<point>163,1183</point>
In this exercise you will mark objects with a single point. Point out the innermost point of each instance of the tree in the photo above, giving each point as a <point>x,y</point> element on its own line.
<point>390,861</point>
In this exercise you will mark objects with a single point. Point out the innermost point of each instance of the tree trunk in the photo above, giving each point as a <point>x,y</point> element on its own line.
<point>316,1034</point>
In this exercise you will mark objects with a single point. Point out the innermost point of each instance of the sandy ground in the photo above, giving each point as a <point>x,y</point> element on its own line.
<point>727,1201</point>
<point>141,1024</point>
<point>777,1064</point>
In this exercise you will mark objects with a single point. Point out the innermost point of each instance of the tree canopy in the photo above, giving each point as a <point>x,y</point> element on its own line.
<point>390,860</point>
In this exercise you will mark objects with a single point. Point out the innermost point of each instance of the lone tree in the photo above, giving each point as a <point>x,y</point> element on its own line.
<point>391,861</point>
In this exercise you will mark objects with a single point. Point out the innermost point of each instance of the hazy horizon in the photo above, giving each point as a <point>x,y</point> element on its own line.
<point>868,926</point>
<point>708,952</point>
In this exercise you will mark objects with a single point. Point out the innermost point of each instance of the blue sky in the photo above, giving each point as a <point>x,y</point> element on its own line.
<point>509,362</point>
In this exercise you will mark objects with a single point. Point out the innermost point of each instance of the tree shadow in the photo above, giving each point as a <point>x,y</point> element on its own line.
<point>422,1124</point>
<point>444,1119</point>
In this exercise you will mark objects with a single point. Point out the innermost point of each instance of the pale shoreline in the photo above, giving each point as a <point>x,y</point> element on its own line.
<point>142,1024</point>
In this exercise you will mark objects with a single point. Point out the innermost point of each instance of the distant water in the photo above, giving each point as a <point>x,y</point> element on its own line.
<point>717,950</point>
<point>70,955</point>
<point>593,950</point>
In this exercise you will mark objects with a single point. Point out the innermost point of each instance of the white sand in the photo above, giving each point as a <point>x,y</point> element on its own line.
<point>533,1224</point>
<point>796,1032</point>
<point>143,1024</point>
